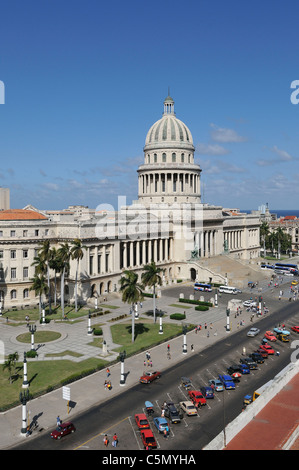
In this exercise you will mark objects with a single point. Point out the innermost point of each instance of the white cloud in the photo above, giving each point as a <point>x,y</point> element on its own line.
<point>225,135</point>
<point>281,157</point>
<point>210,149</point>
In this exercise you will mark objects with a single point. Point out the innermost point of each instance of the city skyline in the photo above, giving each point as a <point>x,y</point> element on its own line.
<point>84,82</point>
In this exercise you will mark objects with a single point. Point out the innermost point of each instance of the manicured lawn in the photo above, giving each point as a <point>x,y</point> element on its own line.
<point>39,337</point>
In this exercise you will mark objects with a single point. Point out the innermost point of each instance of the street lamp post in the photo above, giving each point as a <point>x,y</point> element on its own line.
<point>185,340</point>
<point>25,383</point>
<point>122,356</point>
<point>24,398</point>
<point>227,320</point>
<point>161,326</point>
<point>32,330</point>
<point>216,298</point>
<point>89,330</point>
<point>43,314</point>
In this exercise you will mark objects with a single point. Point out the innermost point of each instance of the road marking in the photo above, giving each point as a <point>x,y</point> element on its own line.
<point>100,433</point>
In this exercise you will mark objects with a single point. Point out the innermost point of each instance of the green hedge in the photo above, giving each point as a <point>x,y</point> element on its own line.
<point>196,302</point>
<point>202,307</point>
<point>177,316</point>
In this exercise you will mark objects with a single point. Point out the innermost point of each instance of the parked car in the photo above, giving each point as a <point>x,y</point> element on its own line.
<point>295,328</point>
<point>235,368</point>
<point>148,439</point>
<point>262,352</point>
<point>269,335</point>
<point>172,413</point>
<point>148,377</point>
<point>161,424</point>
<point>281,330</point>
<point>253,332</point>
<point>62,430</point>
<point>227,381</point>
<point>267,348</point>
<point>141,421</point>
<point>207,392</point>
<point>249,362</point>
<point>197,398</point>
<point>188,407</point>
<point>249,303</point>
<point>257,357</point>
<point>216,385</point>
<point>283,338</point>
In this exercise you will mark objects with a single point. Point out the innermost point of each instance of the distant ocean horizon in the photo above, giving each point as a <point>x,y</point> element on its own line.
<point>279,213</point>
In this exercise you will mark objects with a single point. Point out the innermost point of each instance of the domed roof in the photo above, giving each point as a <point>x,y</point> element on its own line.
<point>169,129</point>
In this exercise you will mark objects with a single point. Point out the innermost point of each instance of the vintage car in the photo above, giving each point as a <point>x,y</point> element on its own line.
<point>161,424</point>
<point>295,328</point>
<point>186,382</point>
<point>188,407</point>
<point>249,362</point>
<point>141,421</point>
<point>148,377</point>
<point>278,330</point>
<point>207,392</point>
<point>148,439</point>
<point>267,348</point>
<point>197,398</point>
<point>172,413</point>
<point>227,382</point>
<point>216,385</point>
<point>62,430</point>
<point>269,335</point>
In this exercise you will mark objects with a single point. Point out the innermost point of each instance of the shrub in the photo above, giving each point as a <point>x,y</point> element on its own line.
<point>202,307</point>
<point>177,316</point>
<point>98,331</point>
<point>196,302</point>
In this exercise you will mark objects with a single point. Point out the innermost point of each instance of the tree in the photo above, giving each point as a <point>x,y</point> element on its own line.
<point>64,254</point>
<point>55,264</point>
<point>131,293</point>
<point>40,287</point>
<point>151,277</point>
<point>77,253</point>
<point>45,255</point>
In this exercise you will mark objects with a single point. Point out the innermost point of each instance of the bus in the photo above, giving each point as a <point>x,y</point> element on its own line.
<point>228,290</point>
<point>203,287</point>
<point>293,268</point>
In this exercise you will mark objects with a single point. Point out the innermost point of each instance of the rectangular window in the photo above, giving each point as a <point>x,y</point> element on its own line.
<point>12,233</point>
<point>91,265</point>
<point>1,254</point>
<point>36,233</point>
<point>13,273</point>
<point>25,253</point>
<point>25,273</point>
<point>13,254</point>
<point>25,233</point>
<point>1,233</point>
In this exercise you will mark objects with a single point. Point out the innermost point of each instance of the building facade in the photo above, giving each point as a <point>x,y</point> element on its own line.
<point>167,224</point>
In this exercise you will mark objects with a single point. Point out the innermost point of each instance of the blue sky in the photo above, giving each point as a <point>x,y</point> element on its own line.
<point>85,80</point>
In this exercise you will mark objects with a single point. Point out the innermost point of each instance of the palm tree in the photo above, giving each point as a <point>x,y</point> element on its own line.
<point>64,254</point>
<point>151,277</point>
<point>45,255</point>
<point>56,265</point>
<point>8,365</point>
<point>131,293</point>
<point>40,287</point>
<point>77,254</point>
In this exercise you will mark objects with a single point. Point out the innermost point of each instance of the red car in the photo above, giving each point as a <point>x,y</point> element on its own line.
<point>295,328</point>
<point>267,348</point>
<point>270,336</point>
<point>141,421</point>
<point>148,377</point>
<point>62,430</point>
<point>197,398</point>
<point>148,439</point>
<point>263,353</point>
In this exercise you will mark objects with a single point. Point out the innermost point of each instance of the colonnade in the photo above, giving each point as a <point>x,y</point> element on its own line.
<point>135,253</point>
<point>234,239</point>
<point>206,243</point>
<point>101,259</point>
<point>169,183</point>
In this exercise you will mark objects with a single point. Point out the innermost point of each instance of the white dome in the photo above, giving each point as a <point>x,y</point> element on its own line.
<point>169,130</point>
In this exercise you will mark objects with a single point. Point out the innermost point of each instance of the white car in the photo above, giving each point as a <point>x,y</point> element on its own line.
<point>253,332</point>
<point>188,408</point>
<point>249,303</point>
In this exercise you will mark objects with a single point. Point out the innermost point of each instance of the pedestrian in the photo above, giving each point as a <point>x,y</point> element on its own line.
<point>165,433</point>
<point>192,348</point>
<point>106,441</point>
<point>162,412</point>
<point>115,440</point>
<point>208,334</point>
<point>151,363</point>
<point>206,326</point>
<point>168,347</point>
<point>58,421</point>
<point>108,372</point>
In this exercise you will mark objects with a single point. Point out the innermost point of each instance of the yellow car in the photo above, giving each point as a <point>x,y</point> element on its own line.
<point>295,283</point>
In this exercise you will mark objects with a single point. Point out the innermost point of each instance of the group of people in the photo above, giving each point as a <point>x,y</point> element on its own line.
<point>114,440</point>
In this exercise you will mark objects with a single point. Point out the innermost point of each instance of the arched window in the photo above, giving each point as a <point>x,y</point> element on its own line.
<point>164,157</point>
<point>155,158</point>
<point>25,293</point>
<point>173,158</point>
<point>182,157</point>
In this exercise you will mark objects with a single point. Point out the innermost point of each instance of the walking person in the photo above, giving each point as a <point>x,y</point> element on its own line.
<point>115,440</point>
<point>108,372</point>
<point>106,441</point>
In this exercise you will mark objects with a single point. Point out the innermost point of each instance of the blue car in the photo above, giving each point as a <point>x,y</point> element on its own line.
<point>244,368</point>
<point>161,424</point>
<point>207,392</point>
<point>227,382</point>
